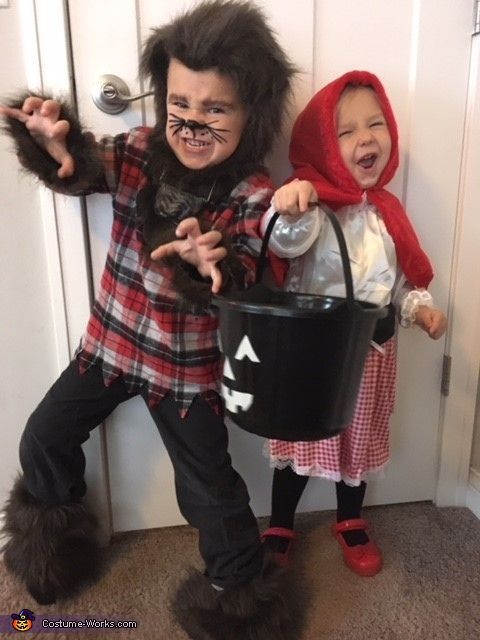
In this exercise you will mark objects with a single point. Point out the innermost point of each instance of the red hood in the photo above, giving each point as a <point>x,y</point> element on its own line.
<point>315,156</point>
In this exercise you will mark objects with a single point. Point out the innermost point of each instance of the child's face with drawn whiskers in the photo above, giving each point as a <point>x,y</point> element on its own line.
<point>205,118</point>
<point>363,135</point>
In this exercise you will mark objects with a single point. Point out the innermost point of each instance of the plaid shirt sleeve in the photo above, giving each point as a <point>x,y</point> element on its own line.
<point>239,223</point>
<point>253,198</point>
<point>110,152</point>
<point>99,172</point>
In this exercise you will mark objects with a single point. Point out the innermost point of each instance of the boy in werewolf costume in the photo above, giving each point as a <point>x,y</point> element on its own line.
<point>194,184</point>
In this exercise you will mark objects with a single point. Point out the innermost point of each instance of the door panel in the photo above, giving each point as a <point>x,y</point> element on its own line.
<point>406,45</point>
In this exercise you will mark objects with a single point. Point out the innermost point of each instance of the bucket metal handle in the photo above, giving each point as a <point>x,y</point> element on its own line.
<point>347,271</point>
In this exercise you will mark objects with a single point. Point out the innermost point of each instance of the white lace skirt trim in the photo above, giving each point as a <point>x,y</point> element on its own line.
<point>315,471</point>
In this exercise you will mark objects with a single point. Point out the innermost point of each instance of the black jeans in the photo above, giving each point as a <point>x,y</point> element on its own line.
<point>211,495</point>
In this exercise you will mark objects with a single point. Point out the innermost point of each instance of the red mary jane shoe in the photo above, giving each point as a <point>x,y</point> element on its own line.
<point>281,559</point>
<point>363,559</point>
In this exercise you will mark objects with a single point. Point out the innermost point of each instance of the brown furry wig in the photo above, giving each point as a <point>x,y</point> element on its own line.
<point>232,37</point>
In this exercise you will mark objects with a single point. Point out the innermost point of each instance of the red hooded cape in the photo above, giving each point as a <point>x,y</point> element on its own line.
<point>315,156</point>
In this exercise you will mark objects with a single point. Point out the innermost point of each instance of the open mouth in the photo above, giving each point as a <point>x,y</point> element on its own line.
<point>367,162</point>
<point>193,143</point>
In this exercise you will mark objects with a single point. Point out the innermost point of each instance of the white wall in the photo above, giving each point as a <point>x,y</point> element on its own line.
<point>27,345</point>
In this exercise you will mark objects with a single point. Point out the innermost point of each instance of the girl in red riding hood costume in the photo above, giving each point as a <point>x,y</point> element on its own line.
<point>344,150</point>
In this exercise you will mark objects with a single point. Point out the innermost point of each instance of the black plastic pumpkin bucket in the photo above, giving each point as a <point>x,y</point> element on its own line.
<point>293,362</point>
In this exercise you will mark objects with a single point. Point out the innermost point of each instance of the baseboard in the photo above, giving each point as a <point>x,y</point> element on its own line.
<point>473,492</point>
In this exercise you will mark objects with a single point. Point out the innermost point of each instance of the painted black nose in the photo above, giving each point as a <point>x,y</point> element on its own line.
<point>193,124</point>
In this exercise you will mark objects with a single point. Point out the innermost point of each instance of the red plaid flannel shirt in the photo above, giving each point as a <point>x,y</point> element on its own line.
<point>134,330</point>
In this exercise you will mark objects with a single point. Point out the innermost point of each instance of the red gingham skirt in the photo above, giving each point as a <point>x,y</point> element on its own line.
<point>363,448</point>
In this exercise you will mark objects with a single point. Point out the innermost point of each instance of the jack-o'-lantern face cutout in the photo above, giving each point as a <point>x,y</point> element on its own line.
<point>236,401</point>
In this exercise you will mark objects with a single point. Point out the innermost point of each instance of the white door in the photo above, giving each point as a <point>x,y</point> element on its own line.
<point>420,50</point>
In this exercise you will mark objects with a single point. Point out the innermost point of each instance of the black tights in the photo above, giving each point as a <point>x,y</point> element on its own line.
<point>349,500</point>
<point>288,488</point>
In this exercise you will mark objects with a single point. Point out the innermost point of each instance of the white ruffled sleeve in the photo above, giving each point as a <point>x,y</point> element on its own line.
<point>407,299</point>
<point>410,303</point>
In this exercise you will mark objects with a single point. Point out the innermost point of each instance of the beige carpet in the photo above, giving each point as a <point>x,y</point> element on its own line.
<point>429,588</point>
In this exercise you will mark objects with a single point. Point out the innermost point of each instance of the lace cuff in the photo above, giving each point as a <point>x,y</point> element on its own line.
<point>414,299</point>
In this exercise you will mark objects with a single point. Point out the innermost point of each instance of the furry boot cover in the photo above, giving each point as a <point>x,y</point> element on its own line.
<point>51,549</point>
<point>262,609</point>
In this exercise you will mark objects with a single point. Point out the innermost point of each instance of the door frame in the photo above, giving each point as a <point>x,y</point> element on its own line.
<point>68,234</point>
<point>463,338</point>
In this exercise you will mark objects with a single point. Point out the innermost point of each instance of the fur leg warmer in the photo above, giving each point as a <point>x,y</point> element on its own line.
<point>262,609</point>
<point>51,549</point>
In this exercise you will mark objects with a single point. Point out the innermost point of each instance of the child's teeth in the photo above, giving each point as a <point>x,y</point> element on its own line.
<point>367,161</point>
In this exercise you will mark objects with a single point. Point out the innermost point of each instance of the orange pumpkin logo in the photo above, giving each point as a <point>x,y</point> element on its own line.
<point>23,621</point>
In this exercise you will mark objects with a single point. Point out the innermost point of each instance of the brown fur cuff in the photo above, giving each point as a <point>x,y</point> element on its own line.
<point>81,145</point>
